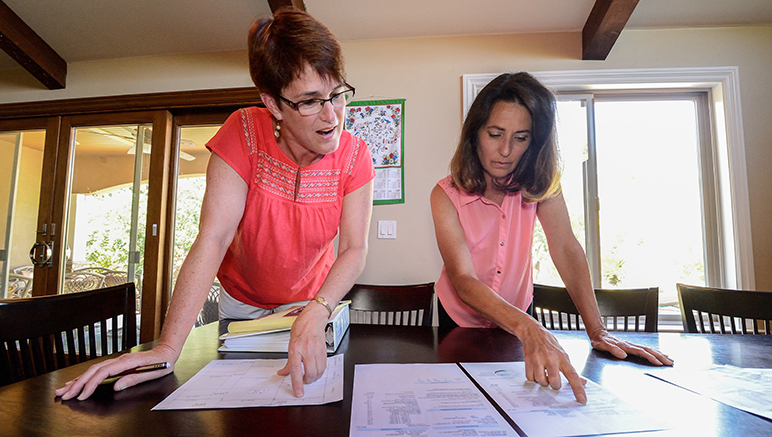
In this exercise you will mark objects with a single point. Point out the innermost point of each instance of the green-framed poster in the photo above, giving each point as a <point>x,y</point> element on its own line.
<point>381,124</point>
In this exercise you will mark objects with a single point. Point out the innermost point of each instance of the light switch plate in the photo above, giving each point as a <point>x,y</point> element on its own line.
<point>387,229</point>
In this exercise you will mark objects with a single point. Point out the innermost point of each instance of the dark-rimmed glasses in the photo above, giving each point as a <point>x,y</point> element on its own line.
<point>314,106</point>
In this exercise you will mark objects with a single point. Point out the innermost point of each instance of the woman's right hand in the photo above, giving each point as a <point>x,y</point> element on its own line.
<point>84,385</point>
<point>545,360</point>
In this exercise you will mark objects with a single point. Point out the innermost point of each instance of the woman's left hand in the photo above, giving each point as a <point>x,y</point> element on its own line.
<point>619,348</point>
<point>307,348</point>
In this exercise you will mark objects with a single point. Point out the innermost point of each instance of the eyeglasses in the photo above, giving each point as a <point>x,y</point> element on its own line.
<point>314,106</point>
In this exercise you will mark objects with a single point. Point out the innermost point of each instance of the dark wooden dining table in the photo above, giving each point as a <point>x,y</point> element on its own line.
<point>29,408</point>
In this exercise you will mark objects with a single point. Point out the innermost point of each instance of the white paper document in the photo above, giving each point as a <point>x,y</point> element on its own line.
<point>544,412</point>
<point>253,383</point>
<point>421,400</point>
<point>742,388</point>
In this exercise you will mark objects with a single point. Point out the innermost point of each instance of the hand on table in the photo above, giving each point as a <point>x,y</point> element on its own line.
<point>307,348</point>
<point>84,385</point>
<point>604,341</point>
<point>545,360</point>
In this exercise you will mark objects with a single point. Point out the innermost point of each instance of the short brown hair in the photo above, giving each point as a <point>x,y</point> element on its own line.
<point>282,46</point>
<point>536,175</point>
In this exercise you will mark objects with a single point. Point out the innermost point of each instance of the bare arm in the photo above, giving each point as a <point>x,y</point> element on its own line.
<point>569,258</point>
<point>544,358</point>
<point>221,212</point>
<point>307,350</point>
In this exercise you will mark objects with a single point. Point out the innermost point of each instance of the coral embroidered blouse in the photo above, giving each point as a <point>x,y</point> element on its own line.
<point>283,248</point>
<point>499,239</point>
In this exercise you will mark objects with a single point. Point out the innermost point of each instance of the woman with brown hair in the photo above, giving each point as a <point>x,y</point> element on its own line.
<point>504,175</point>
<point>282,182</point>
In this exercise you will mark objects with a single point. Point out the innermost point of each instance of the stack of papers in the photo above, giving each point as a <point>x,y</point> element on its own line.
<point>440,399</point>
<point>271,333</point>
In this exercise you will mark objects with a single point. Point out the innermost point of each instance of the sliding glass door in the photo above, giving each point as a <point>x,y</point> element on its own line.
<point>112,193</point>
<point>107,207</point>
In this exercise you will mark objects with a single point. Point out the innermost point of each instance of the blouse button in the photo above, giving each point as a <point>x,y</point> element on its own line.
<point>504,216</point>
<point>498,271</point>
<point>501,244</point>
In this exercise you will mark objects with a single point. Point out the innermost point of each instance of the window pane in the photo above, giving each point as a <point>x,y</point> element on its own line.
<point>191,185</point>
<point>648,184</point>
<point>21,164</point>
<point>572,143</point>
<point>107,212</point>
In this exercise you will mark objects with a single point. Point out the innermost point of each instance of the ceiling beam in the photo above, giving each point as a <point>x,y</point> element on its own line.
<point>278,4</point>
<point>30,51</point>
<point>603,26</point>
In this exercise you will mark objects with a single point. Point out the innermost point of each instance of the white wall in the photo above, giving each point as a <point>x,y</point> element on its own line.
<point>427,73</point>
<point>133,76</point>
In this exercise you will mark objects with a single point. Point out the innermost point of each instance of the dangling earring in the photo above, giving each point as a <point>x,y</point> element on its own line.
<point>277,130</point>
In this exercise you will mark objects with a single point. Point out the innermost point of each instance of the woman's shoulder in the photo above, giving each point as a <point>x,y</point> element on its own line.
<point>247,121</point>
<point>252,113</point>
<point>450,189</point>
<point>449,186</point>
<point>447,183</point>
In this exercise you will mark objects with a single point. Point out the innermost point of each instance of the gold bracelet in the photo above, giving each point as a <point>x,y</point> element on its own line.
<point>322,301</point>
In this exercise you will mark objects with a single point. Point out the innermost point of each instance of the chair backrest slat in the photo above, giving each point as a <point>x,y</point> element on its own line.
<point>92,343</point>
<point>82,354</point>
<point>71,348</point>
<point>36,351</point>
<point>5,362</point>
<point>49,359</point>
<point>28,365</point>
<point>618,308</point>
<point>391,304</point>
<point>39,324</point>
<point>13,361</point>
<point>728,311</point>
<point>61,360</point>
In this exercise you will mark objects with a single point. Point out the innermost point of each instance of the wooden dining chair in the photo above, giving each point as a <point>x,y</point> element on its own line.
<point>634,309</point>
<point>45,333</point>
<point>392,304</point>
<point>722,311</point>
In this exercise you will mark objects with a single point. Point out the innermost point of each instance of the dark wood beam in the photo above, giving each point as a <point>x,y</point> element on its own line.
<point>603,26</point>
<point>278,4</point>
<point>174,101</point>
<point>30,51</point>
